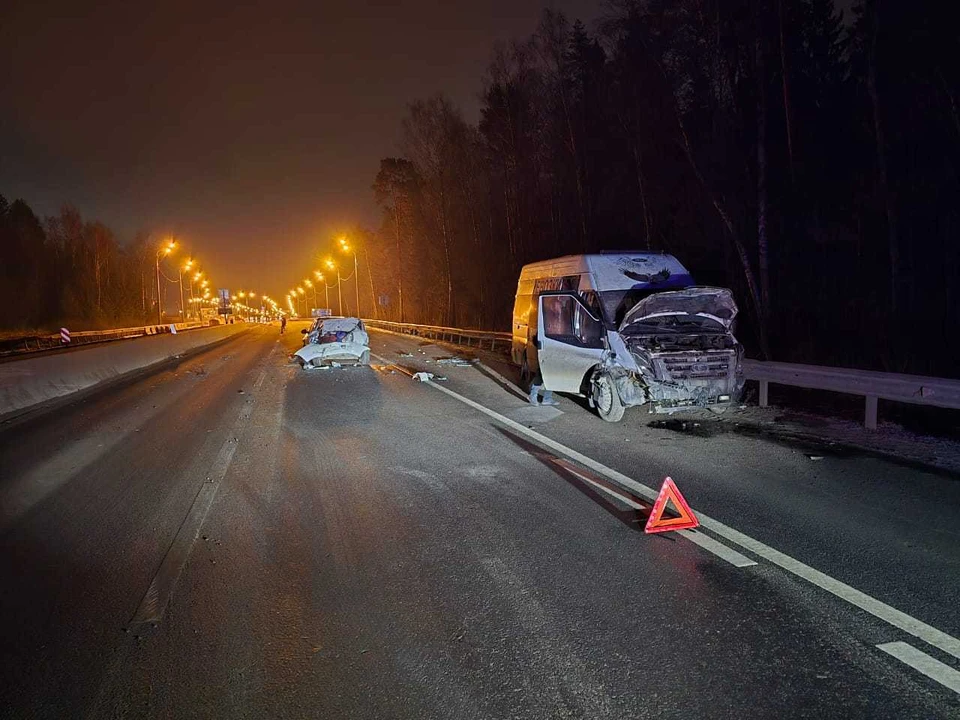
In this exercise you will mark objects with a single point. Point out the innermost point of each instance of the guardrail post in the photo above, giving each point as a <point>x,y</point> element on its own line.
<point>870,415</point>
<point>764,393</point>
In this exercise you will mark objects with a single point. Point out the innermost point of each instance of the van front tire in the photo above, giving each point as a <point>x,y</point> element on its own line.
<point>606,398</point>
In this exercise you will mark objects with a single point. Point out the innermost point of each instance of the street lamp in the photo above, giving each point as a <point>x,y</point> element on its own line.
<point>194,278</point>
<point>186,266</point>
<point>333,266</point>
<point>311,286</point>
<point>162,252</point>
<point>345,247</point>
<point>301,293</point>
<point>326,291</point>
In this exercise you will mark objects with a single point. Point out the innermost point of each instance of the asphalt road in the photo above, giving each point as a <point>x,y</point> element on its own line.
<point>235,537</point>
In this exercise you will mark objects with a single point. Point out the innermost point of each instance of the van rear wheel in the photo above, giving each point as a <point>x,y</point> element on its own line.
<point>606,398</point>
<point>526,378</point>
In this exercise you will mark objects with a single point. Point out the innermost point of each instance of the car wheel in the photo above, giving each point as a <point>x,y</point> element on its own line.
<point>365,358</point>
<point>606,398</point>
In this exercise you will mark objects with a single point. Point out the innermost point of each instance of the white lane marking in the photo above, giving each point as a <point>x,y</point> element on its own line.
<point>717,548</point>
<point>896,618</point>
<point>391,364</point>
<point>158,595</point>
<point>603,488</point>
<point>643,490</point>
<point>510,386</point>
<point>921,662</point>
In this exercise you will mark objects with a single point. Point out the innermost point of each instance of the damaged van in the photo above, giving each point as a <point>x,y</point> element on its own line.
<point>624,329</point>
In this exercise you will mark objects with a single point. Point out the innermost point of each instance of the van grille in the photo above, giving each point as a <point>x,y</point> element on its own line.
<point>690,366</point>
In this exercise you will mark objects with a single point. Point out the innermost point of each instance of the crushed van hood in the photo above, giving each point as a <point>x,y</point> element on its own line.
<point>709,302</point>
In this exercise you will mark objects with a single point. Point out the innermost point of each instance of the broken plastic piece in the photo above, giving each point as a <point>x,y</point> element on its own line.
<point>423,376</point>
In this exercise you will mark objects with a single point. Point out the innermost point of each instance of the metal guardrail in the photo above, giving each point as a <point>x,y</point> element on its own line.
<point>36,343</point>
<point>471,338</point>
<point>871,384</point>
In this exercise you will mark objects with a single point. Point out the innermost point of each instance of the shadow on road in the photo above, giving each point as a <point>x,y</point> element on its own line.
<point>581,479</point>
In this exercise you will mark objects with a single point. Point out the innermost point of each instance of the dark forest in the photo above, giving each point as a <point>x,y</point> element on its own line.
<point>805,158</point>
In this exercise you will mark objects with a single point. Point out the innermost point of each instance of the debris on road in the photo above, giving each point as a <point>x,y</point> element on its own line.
<point>405,354</point>
<point>457,361</point>
<point>423,376</point>
<point>815,457</point>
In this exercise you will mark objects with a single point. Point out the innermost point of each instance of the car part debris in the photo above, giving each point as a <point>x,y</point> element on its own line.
<point>457,361</point>
<point>423,376</point>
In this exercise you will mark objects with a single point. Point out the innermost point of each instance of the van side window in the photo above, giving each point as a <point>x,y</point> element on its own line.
<point>592,301</point>
<point>566,320</point>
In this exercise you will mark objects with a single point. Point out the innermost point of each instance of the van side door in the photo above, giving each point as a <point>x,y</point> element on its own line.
<point>570,341</point>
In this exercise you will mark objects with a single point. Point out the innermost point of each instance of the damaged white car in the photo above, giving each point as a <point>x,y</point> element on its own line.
<point>334,341</point>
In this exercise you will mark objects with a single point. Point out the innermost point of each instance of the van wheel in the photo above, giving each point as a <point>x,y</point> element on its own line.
<point>525,376</point>
<point>606,398</point>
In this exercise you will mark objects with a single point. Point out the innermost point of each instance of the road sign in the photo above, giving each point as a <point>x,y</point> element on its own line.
<point>64,336</point>
<point>657,523</point>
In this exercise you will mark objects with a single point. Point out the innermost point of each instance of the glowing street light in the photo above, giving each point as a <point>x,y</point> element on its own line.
<point>185,268</point>
<point>333,266</point>
<point>164,250</point>
<point>345,247</point>
<point>310,286</point>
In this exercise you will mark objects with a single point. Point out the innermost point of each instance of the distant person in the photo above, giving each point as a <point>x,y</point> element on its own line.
<point>283,323</point>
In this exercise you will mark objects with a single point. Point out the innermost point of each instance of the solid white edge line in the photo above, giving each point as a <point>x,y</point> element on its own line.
<point>718,548</point>
<point>896,618</point>
<point>704,541</point>
<point>923,663</point>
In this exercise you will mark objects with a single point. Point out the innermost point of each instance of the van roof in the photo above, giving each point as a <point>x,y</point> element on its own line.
<point>615,271</point>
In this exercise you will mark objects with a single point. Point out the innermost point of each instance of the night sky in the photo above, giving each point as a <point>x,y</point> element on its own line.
<point>251,131</point>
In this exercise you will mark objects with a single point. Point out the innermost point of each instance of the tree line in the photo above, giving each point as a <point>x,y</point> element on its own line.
<point>72,272</point>
<point>805,159</point>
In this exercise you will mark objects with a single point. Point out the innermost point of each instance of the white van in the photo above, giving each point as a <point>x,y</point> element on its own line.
<point>624,329</point>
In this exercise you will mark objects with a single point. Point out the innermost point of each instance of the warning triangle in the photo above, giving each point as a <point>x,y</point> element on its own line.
<point>657,523</point>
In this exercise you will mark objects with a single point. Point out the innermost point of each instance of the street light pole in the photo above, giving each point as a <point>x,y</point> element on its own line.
<point>180,278</point>
<point>356,281</point>
<point>333,266</point>
<point>159,311</point>
<point>165,250</point>
<point>356,275</point>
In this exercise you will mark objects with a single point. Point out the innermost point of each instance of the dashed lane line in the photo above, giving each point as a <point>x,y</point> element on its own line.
<point>879,609</point>
<point>709,544</point>
<point>923,663</point>
<point>155,601</point>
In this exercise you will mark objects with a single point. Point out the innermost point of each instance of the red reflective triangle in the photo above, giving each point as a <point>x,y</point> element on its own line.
<point>657,523</point>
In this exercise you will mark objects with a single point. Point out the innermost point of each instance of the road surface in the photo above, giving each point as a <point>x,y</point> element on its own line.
<point>235,537</point>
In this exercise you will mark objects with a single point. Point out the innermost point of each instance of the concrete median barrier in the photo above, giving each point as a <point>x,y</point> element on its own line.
<point>30,381</point>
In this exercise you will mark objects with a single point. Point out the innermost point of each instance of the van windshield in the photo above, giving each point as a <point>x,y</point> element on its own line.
<point>617,303</point>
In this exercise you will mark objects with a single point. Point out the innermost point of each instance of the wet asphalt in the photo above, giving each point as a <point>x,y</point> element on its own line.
<point>358,544</point>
